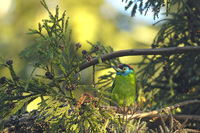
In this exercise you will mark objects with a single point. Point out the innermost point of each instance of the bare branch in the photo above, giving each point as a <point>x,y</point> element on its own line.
<point>160,51</point>
<point>154,112</point>
<point>191,118</point>
<point>136,52</point>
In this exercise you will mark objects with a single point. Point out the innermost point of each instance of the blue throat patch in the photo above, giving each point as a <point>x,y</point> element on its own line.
<point>125,73</point>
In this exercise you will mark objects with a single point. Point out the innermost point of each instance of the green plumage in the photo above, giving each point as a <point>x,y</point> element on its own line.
<point>124,86</point>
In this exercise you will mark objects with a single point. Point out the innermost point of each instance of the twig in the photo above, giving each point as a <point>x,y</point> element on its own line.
<point>155,112</point>
<point>93,82</point>
<point>160,51</point>
<point>93,76</point>
<point>191,118</point>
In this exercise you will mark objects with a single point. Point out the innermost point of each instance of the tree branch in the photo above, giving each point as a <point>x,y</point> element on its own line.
<point>130,52</point>
<point>142,115</point>
<point>151,113</point>
<point>191,118</point>
<point>160,51</point>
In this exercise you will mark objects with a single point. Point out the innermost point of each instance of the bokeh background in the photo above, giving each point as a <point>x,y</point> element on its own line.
<point>105,21</point>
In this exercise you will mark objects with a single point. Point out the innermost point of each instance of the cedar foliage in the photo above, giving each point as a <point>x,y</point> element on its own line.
<point>179,74</point>
<point>162,80</point>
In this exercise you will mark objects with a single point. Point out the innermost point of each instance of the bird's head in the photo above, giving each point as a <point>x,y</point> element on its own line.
<point>123,69</point>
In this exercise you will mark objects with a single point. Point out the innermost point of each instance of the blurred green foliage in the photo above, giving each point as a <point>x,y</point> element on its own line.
<point>88,19</point>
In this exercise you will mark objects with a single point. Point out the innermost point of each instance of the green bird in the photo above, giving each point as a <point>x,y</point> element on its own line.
<point>124,86</point>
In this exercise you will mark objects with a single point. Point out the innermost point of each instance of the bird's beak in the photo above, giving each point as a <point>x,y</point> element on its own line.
<point>117,69</point>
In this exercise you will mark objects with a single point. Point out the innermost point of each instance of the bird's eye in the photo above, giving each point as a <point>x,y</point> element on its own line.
<point>124,69</point>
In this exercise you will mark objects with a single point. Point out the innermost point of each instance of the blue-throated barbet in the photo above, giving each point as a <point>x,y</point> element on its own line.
<point>124,85</point>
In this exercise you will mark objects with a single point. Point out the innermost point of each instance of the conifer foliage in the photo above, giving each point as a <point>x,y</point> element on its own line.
<point>172,78</point>
<point>163,80</point>
<point>59,110</point>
